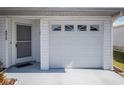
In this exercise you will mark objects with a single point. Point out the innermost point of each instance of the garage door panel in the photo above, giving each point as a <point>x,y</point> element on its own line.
<point>74,63</point>
<point>77,44</point>
<point>76,49</point>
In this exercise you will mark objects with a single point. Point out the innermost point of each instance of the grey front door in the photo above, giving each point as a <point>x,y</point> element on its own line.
<point>23,43</point>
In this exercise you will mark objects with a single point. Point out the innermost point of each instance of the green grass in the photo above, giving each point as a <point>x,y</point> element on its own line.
<point>118,59</point>
<point>120,65</point>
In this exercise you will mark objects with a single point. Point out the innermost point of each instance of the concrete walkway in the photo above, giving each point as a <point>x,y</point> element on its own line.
<point>70,76</point>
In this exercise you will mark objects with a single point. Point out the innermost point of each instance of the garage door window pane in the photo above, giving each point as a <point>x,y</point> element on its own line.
<point>82,28</point>
<point>56,27</point>
<point>94,27</point>
<point>69,27</point>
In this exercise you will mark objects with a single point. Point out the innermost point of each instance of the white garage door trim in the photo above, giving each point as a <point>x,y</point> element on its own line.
<point>60,58</point>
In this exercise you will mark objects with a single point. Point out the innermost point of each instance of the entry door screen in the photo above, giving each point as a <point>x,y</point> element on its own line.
<point>23,41</point>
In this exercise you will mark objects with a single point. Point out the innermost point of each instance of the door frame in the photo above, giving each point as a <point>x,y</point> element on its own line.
<point>14,49</point>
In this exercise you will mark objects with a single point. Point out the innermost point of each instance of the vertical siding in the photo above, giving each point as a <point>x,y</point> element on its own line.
<point>118,34</point>
<point>107,56</point>
<point>2,40</point>
<point>44,44</point>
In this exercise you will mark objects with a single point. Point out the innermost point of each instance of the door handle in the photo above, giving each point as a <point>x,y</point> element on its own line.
<point>16,45</point>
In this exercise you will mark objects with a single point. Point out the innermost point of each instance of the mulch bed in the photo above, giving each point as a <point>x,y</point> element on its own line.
<point>6,81</point>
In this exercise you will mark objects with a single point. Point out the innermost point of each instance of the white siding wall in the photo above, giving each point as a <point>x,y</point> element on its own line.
<point>44,44</point>
<point>2,40</point>
<point>107,54</point>
<point>9,42</point>
<point>44,39</point>
<point>118,34</point>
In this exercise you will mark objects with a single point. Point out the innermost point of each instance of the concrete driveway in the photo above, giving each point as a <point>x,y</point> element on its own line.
<point>70,76</point>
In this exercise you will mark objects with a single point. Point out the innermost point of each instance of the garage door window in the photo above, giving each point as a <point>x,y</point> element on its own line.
<point>94,27</point>
<point>69,27</point>
<point>56,27</point>
<point>82,27</point>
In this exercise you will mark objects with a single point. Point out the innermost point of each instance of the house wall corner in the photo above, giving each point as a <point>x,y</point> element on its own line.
<point>108,45</point>
<point>44,44</point>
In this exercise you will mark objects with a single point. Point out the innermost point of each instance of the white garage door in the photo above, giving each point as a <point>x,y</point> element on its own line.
<point>75,44</point>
